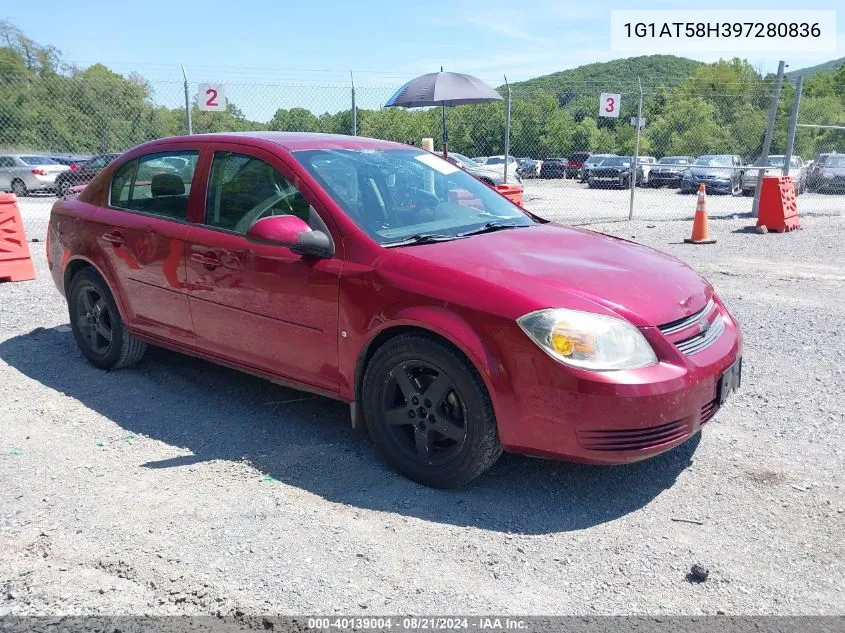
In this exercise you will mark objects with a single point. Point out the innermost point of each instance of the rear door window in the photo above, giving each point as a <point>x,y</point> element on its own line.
<point>158,184</point>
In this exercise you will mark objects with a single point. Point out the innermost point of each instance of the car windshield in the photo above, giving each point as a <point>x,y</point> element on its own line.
<point>771,161</point>
<point>597,160</point>
<point>399,194</point>
<point>674,160</point>
<point>617,161</point>
<point>495,160</point>
<point>713,161</point>
<point>835,161</point>
<point>38,160</point>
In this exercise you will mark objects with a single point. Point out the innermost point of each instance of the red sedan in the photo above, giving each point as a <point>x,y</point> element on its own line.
<point>456,324</point>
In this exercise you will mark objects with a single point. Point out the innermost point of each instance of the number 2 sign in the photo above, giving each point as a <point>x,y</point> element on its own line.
<point>212,98</point>
<point>609,104</point>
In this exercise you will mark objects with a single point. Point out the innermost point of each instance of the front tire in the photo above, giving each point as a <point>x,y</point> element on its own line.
<point>97,327</point>
<point>429,413</point>
<point>62,188</point>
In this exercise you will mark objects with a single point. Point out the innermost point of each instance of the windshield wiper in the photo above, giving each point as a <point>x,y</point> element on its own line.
<point>490,227</point>
<point>421,238</point>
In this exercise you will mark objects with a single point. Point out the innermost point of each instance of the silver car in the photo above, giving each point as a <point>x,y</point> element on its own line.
<point>491,175</point>
<point>774,166</point>
<point>24,173</point>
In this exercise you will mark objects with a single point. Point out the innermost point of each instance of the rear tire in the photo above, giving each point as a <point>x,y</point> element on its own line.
<point>62,188</point>
<point>19,188</point>
<point>429,413</point>
<point>97,327</point>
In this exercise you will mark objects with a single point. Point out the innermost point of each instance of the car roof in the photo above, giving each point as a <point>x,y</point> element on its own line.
<point>291,141</point>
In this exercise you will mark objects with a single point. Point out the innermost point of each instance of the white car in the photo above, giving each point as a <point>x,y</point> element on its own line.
<point>646,162</point>
<point>774,167</point>
<point>492,176</point>
<point>498,163</point>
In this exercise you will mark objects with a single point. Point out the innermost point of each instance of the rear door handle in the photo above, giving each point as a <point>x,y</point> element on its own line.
<point>114,238</point>
<point>206,260</point>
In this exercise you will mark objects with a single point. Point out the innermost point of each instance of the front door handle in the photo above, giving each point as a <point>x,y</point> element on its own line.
<point>209,260</point>
<point>114,238</point>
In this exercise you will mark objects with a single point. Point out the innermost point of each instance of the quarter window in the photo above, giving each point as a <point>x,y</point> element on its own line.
<point>158,184</point>
<point>243,189</point>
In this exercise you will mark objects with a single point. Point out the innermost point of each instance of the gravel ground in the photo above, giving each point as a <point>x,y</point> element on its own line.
<point>180,487</point>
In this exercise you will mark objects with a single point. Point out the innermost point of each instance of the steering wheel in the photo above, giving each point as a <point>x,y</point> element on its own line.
<point>256,212</point>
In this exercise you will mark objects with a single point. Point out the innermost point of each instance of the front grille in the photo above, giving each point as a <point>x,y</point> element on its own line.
<point>709,410</point>
<point>680,324</point>
<point>632,439</point>
<point>702,338</point>
<point>695,344</point>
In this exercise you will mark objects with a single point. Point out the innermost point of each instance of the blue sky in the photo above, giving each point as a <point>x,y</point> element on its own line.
<point>383,42</point>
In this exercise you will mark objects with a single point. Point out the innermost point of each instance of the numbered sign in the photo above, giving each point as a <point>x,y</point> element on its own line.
<point>212,98</point>
<point>609,104</point>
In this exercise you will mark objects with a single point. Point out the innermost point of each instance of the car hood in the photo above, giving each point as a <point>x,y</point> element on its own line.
<point>556,266</point>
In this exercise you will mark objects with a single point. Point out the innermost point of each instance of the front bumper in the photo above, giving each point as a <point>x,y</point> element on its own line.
<point>710,186</point>
<point>610,417</point>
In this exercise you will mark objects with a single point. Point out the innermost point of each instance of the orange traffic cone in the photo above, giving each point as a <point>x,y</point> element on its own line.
<point>700,229</point>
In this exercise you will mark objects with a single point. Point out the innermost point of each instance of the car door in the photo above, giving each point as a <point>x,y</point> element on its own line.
<point>260,305</point>
<point>142,232</point>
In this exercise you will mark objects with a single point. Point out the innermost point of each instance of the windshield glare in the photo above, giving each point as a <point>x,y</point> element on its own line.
<point>835,161</point>
<point>395,194</point>
<point>673,161</point>
<point>713,161</point>
<point>38,160</point>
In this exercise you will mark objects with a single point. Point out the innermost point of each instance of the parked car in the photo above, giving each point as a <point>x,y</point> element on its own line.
<point>383,276</point>
<point>23,174</point>
<point>528,167</point>
<point>590,163</point>
<point>554,168</point>
<point>669,170</point>
<point>720,173</point>
<point>71,161</point>
<point>615,171</point>
<point>646,163</point>
<point>576,161</point>
<point>830,177</point>
<point>498,162</point>
<point>486,175</point>
<point>83,174</point>
<point>774,165</point>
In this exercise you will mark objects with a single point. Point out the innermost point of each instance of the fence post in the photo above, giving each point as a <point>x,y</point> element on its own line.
<point>767,140</point>
<point>636,159</point>
<point>187,103</point>
<point>507,128</point>
<point>793,121</point>
<point>354,109</point>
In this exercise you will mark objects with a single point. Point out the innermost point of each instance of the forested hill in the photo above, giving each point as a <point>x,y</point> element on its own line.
<point>619,75</point>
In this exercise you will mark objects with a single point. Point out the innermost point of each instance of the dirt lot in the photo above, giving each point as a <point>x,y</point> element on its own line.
<point>182,487</point>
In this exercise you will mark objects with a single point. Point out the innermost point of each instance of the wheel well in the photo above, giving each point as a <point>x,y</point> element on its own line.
<point>383,337</point>
<point>72,268</point>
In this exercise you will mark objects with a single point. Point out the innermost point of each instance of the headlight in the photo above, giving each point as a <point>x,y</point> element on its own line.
<point>587,340</point>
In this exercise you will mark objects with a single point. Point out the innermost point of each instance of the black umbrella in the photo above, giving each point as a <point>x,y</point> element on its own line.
<point>443,89</point>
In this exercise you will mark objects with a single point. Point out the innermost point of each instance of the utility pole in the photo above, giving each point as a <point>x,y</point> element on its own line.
<point>354,109</point>
<point>507,128</point>
<point>634,165</point>
<point>793,124</point>
<point>187,103</point>
<point>767,140</point>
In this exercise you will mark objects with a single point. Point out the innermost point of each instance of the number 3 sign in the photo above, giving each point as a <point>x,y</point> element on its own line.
<point>609,104</point>
<point>212,98</point>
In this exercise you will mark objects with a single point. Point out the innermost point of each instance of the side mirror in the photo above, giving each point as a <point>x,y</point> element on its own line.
<point>292,232</point>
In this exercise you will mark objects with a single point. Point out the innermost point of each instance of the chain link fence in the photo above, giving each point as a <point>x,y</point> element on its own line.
<point>720,126</point>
